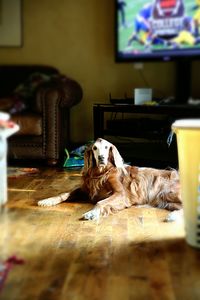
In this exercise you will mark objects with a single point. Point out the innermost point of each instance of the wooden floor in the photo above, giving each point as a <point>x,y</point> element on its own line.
<point>128,256</point>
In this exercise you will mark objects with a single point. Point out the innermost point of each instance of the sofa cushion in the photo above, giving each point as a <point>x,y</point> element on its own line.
<point>21,98</point>
<point>30,124</point>
<point>11,76</point>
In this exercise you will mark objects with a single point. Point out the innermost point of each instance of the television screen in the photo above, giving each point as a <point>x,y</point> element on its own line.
<point>157,29</point>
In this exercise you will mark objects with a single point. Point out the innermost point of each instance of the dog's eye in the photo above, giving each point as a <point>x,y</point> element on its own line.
<point>94,148</point>
<point>106,147</point>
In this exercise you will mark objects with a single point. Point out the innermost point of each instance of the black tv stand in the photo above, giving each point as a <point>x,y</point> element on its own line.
<point>140,131</point>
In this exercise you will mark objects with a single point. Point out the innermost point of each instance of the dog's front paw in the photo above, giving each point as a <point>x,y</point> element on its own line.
<point>93,214</point>
<point>47,202</point>
<point>176,215</point>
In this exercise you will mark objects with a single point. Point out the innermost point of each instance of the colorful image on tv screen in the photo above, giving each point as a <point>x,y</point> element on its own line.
<point>158,27</point>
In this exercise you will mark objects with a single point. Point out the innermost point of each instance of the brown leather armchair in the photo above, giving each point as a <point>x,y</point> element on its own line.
<point>45,123</point>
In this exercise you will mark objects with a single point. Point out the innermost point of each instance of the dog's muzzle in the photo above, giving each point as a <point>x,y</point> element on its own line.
<point>101,160</point>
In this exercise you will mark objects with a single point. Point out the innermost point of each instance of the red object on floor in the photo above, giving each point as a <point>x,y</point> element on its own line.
<point>6,266</point>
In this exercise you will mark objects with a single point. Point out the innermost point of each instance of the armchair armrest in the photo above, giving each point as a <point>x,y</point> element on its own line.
<point>61,91</point>
<point>54,100</point>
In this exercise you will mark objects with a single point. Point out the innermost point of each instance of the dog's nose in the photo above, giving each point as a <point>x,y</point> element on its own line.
<point>101,158</point>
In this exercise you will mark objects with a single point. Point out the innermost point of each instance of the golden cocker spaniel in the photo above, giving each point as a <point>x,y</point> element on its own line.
<point>112,185</point>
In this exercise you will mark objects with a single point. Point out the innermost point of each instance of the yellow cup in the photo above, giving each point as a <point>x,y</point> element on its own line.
<point>188,144</point>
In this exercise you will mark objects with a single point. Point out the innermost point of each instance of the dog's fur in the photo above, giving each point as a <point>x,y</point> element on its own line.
<point>112,186</point>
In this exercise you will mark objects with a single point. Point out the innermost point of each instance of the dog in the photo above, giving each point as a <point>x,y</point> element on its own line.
<point>113,186</point>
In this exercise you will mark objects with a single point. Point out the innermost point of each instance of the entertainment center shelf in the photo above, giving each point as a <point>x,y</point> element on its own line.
<point>140,131</point>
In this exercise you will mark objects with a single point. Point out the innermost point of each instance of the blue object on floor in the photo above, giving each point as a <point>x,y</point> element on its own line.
<point>75,159</point>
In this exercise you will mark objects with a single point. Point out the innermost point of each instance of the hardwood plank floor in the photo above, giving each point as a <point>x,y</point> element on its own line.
<point>130,255</point>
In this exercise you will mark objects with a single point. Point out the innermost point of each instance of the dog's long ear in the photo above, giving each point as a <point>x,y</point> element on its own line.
<point>116,158</point>
<point>89,160</point>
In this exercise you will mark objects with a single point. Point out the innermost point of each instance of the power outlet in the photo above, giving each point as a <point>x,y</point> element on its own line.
<point>138,66</point>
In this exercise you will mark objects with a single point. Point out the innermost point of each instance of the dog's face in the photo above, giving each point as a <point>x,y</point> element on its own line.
<point>101,149</point>
<point>100,153</point>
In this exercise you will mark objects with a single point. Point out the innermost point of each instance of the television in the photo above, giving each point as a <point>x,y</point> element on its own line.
<point>161,30</point>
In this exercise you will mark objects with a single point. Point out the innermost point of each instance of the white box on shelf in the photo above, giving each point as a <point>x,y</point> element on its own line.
<point>142,95</point>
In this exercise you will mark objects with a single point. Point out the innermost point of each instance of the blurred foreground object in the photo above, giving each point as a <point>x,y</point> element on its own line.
<point>7,128</point>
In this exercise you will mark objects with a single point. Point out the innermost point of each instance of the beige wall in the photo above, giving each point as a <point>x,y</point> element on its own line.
<point>77,37</point>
